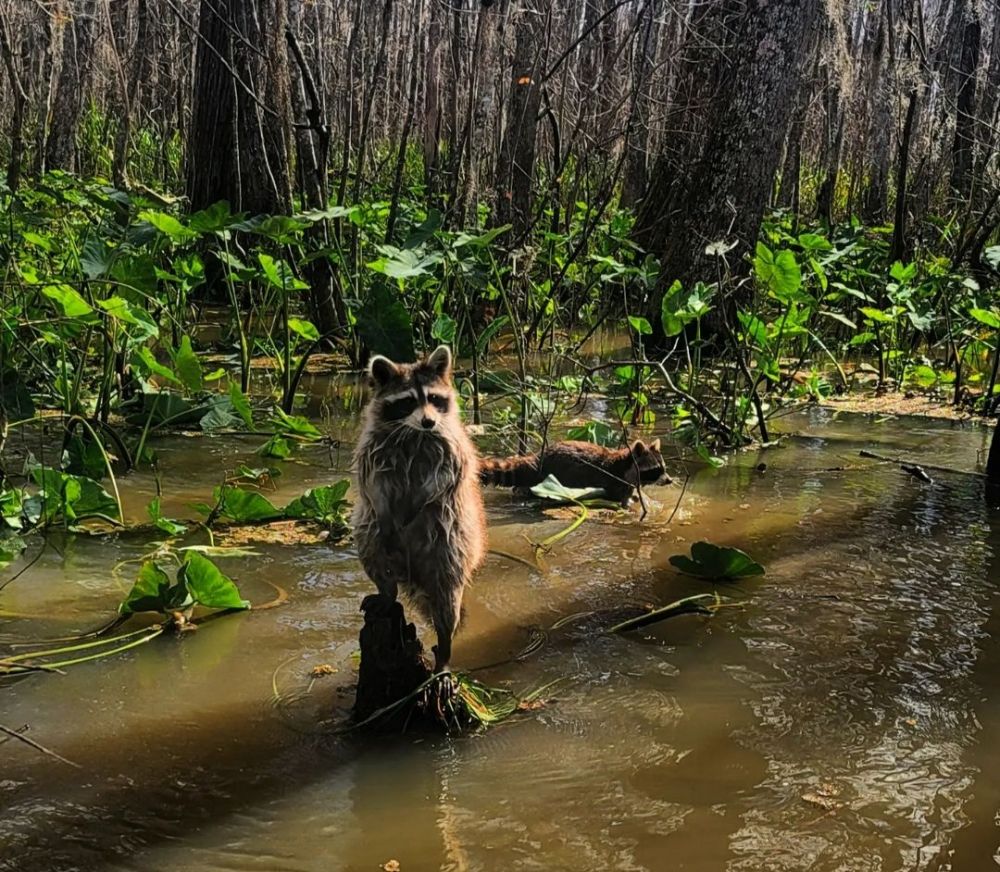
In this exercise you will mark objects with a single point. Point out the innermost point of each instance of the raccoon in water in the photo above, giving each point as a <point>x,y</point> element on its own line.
<point>582,465</point>
<point>419,521</point>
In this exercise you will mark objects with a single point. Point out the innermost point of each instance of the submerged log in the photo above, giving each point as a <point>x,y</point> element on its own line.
<point>392,664</point>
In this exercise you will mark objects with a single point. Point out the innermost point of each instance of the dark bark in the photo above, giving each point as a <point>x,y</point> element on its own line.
<point>76,64</point>
<point>17,114</point>
<point>238,141</point>
<point>637,147</point>
<point>515,171</point>
<point>392,665</point>
<point>965,104</point>
<point>902,168</point>
<point>725,192</point>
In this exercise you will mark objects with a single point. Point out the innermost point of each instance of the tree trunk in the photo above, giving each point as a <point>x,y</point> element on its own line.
<point>238,139</point>
<point>17,116</point>
<point>515,172</point>
<point>72,85</point>
<point>724,194</point>
<point>965,117</point>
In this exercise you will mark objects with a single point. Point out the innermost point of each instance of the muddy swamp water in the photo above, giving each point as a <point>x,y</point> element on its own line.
<point>841,712</point>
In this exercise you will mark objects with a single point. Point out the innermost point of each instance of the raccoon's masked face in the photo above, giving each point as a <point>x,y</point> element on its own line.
<point>650,462</point>
<point>418,395</point>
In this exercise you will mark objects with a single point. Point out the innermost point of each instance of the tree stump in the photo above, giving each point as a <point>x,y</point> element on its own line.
<point>392,663</point>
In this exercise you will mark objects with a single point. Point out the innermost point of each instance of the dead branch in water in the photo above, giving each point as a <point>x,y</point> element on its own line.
<point>14,734</point>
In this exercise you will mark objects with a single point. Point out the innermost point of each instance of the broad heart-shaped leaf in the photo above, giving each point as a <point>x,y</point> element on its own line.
<point>305,329</point>
<point>552,489</point>
<point>73,497</point>
<point>716,562</point>
<point>242,506</point>
<point>319,503</point>
<point>168,225</point>
<point>986,316</point>
<point>444,329</point>
<point>69,301</point>
<point>779,273</point>
<point>150,592</point>
<point>640,325</point>
<point>878,315</point>
<point>207,584</point>
<point>384,324</point>
<point>673,312</point>
<point>171,528</point>
<point>188,367</point>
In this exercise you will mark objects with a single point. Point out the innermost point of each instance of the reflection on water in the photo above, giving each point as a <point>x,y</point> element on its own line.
<point>845,715</point>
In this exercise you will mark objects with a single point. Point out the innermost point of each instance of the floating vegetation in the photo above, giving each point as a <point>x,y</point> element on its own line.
<point>717,562</point>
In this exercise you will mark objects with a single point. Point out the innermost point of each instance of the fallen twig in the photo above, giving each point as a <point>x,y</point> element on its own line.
<point>912,468</point>
<point>14,734</point>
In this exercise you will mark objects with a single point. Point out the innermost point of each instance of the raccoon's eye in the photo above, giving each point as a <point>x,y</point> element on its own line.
<point>396,410</point>
<point>438,402</point>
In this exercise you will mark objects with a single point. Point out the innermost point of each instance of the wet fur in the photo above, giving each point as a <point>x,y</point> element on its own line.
<point>418,520</point>
<point>582,464</point>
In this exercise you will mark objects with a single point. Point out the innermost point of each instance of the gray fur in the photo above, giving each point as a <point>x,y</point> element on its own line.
<point>418,520</point>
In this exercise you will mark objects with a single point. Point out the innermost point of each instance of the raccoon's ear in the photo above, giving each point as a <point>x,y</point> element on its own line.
<point>638,448</point>
<point>654,445</point>
<point>382,370</point>
<point>439,360</point>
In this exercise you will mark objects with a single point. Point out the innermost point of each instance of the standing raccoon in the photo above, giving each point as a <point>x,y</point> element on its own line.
<point>419,521</point>
<point>582,464</point>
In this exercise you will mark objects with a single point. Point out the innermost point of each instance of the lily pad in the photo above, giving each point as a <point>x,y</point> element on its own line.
<point>717,562</point>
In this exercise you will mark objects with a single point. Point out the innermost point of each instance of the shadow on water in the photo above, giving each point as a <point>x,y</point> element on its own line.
<point>864,662</point>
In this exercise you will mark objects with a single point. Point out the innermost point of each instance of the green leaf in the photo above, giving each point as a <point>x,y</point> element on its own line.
<point>188,366</point>
<point>168,225</point>
<point>876,315</point>
<point>149,592</point>
<point>11,547</point>
<point>207,584</point>
<point>277,446</point>
<point>243,506</point>
<point>717,562</point>
<point>213,219</point>
<point>69,301</point>
<point>552,489</point>
<point>444,329</point>
<point>597,432</point>
<point>494,327</point>
<point>241,405</point>
<point>127,313</point>
<point>72,497</point>
<point>303,328</point>
<point>989,317</point>
<point>296,424</point>
<point>901,273</point>
<point>172,528</point>
<point>220,416</point>
<point>779,273</point>
<point>323,504</point>
<point>673,314</point>
<point>640,325</point>
<point>145,361</point>
<point>843,319</point>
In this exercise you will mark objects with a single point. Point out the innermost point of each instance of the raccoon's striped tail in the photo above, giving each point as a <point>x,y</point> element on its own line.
<point>519,471</point>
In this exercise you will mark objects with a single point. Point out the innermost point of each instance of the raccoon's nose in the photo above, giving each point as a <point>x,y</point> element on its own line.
<point>427,423</point>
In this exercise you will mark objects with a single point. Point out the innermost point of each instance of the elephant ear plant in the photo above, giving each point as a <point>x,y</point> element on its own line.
<point>196,583</point>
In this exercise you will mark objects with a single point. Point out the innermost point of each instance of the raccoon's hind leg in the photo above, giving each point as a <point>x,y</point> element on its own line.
<point>446,613</point>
